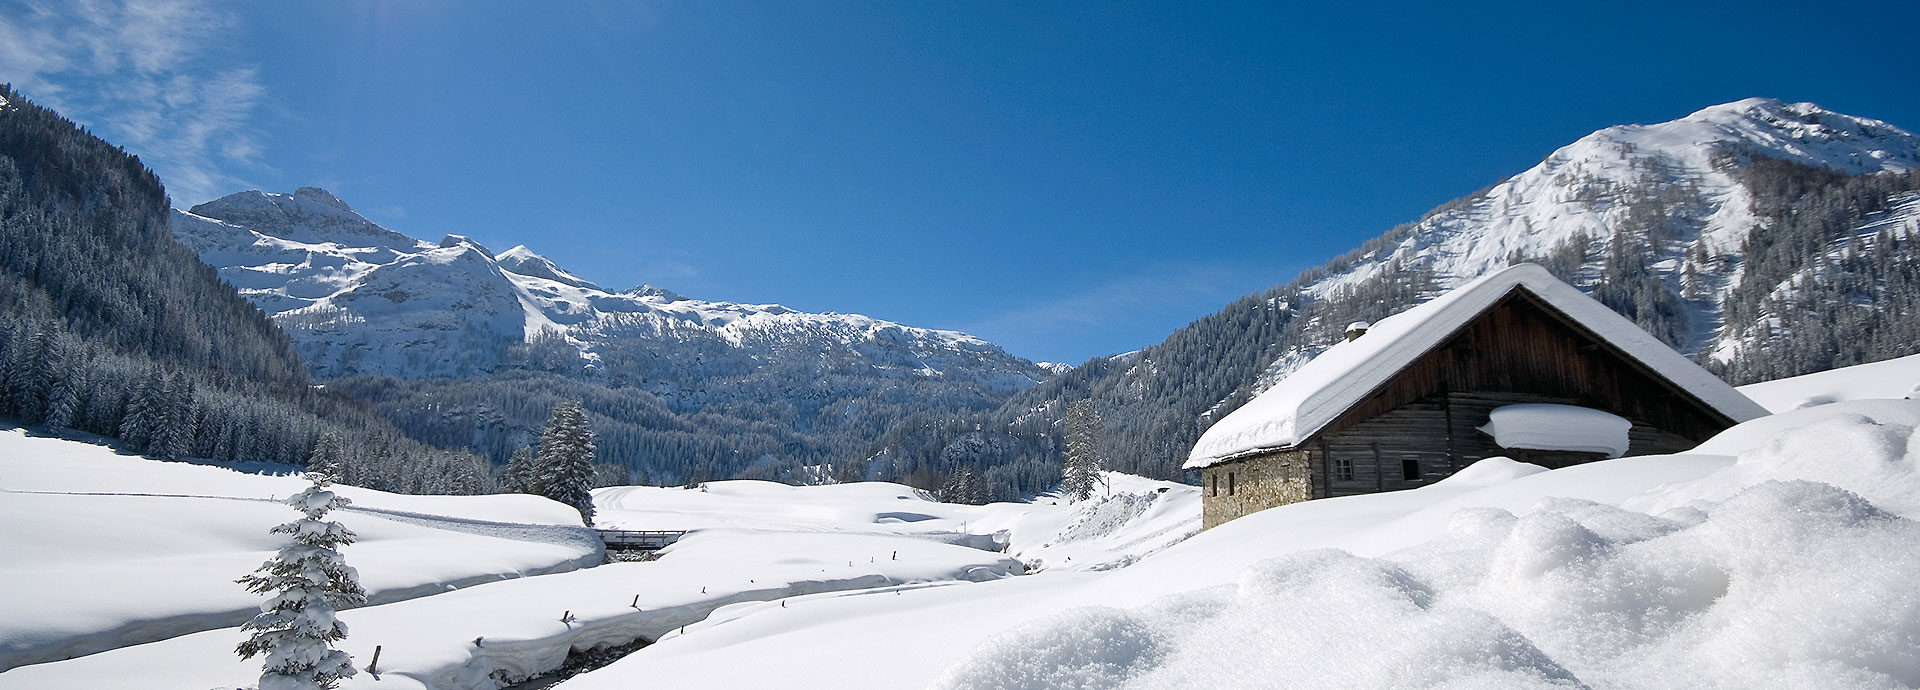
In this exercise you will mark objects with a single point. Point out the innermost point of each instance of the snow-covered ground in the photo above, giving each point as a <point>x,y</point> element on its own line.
<point>99,550</point>
<point>1129,518</point>
<point>1893,378</point>
<point>1726,567</point>
<point>753,543</point>
<point>1779,554</point>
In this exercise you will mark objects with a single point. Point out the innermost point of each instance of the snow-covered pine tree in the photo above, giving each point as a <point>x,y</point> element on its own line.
<point>328,457</point>
<point>307,582</point>
<point>519,475</point>
<point>1080,468</point>
<point>565,466</point>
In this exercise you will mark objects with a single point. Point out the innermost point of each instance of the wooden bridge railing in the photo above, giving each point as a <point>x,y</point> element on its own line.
<point>644,540</point>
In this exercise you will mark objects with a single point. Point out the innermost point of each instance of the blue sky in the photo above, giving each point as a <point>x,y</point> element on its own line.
<point>1067,180</point>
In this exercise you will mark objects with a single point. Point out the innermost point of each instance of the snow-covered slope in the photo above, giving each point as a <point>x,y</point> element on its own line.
<point>358,298</point>
<point>1779,555</point>
<point>1680,175</point>
<point>1891,379</point>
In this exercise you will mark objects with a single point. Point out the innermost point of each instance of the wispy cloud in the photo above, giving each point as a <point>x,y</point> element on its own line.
<point>148,76</point>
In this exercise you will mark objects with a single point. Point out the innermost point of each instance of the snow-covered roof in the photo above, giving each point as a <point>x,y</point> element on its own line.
<point>1305,402</point>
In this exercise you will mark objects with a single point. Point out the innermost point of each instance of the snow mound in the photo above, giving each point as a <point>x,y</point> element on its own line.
<point>1093,647</point>
<point>1765,589</point>
<point>1877,459</point>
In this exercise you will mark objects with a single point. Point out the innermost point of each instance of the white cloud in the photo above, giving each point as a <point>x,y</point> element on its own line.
<point>145,75</point>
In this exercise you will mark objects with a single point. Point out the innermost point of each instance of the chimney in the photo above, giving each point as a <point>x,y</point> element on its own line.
<point>1357,329</point>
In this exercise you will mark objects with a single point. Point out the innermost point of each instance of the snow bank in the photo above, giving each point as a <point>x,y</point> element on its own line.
<point>1747,576</point>
<point>1773,587</point>
<point>1558,427</point>
<point>1891,379</point>
<point>104,550</point>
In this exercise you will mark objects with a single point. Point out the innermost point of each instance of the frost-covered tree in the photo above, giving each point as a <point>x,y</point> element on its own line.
<point>328,457</point>
<point>306,582</point>
<point>518,477</point>
<point>565,463</point>
<point>1080,468</point>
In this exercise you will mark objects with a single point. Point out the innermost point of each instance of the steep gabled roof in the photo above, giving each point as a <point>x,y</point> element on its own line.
<point>1321,390</point>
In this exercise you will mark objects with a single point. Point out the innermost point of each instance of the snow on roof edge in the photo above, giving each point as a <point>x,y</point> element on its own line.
<point>1313,396</point>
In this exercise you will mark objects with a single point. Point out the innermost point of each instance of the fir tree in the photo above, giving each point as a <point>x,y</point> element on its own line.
<point>566,459</point>
<point>1080,470</point>
<point>518,477</point>
<point>307,582</point>
<point>328,457</point>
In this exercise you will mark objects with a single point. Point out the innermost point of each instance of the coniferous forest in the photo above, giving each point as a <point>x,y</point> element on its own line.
<point>109,326</point>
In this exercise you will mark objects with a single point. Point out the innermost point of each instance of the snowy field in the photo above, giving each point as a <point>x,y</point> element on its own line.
<point>1779,554</point>
<point>104,550</point>
<point>754,544</point>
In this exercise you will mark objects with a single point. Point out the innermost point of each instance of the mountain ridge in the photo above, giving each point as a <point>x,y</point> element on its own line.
<point>350,291</point>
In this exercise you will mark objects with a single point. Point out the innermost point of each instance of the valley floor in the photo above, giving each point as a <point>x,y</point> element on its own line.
<point>1780,553</point>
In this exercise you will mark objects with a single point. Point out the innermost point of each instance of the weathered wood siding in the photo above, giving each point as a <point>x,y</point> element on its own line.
<point>1521,347</point>
<point>1422,425</point>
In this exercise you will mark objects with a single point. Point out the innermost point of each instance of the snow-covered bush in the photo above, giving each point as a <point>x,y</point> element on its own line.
<point>307,581</point>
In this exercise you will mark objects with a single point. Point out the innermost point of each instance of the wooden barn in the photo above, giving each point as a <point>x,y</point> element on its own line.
<point>1516,358</point>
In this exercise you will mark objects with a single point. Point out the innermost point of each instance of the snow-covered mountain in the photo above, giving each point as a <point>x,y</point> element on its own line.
<point>358,298</point>
<point>1701,230</point>
<point>1672,189</point>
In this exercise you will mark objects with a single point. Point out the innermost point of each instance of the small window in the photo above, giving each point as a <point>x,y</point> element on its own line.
<point>1343,469</point>
<point>1410,469</point>
<point>1216,483</point>
<point>1229,483</point>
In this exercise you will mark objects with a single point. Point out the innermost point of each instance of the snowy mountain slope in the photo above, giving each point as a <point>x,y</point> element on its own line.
<point>1671,184</point>
<point>1662,223</point>
<point>361,299</point>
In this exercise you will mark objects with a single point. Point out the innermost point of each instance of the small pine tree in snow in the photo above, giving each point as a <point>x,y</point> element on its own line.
<point>1080,469</point>
<point>307,581</point>
<point>565,464</point>
<point>518,477</point>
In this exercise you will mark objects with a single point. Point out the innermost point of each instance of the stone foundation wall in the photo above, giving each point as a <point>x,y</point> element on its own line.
<point>1242,487</point>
